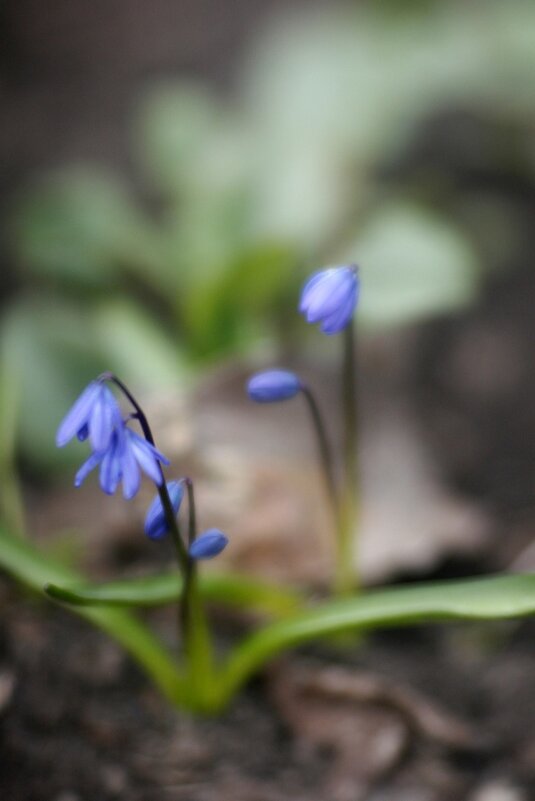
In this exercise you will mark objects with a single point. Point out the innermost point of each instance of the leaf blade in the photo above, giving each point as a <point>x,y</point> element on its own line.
<point>34,569</point>
<point>228,588</point>
<point>494,598</point>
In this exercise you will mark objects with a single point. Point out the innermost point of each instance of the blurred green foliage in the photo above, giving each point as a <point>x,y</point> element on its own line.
<point>243,197</point>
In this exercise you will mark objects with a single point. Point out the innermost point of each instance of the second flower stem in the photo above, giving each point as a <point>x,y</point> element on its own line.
<point>345,578</point>
<point>324,450</point>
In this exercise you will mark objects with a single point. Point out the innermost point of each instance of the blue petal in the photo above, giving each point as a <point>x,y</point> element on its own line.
<point>338,320</point>
<point>330,297</point>
<point>86,468</point>
<point>208,545</point>
<point>111,469</point>
<point>273,385</point>
<point>314,279</point>
<point>147,456</point>
<point>329,294</point>
<point>156,525</point>
<point>105,416</point>
<point>77,416</point>
<point>130,470</point>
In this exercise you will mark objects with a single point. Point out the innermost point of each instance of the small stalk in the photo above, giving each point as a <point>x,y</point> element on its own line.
<point>324,452</point>
<point>197,639</point>
<point>345,578</point>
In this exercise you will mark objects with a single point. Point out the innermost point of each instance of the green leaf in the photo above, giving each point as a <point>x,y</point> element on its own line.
<point>226,588</point>
<point>137,348</point>
<point>494,598</point>
<point>71,226</point>
<point>227,310</point>
<point>34,569</point>
<point>414,264</point>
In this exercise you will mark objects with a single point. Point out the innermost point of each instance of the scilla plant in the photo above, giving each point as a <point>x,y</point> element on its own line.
<point>195,675</point>
<point>329,298</point>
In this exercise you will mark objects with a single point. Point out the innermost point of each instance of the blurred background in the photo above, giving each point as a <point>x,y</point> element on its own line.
<point>172,171</point>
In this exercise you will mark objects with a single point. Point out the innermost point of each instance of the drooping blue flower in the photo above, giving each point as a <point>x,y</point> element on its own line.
<point>208,544</point>
<point>329,297</point>
<point>156,525</point>
<point>94,414</point>
<point>123,460</point>
<point>270,386</point>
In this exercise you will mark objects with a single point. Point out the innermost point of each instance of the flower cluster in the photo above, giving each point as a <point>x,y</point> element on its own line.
<point>122,455</point>
<point>156,525</point>
<point>120,452</point>
<point>207,545</point>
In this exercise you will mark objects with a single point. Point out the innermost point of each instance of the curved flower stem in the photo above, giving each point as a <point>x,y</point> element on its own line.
<point>192,619</point>
<point>345,578</point>
<point>324,451</point>
<point>181,552</point>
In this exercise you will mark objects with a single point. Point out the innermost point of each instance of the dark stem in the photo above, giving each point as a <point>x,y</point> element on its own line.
<point>324,450</point>
<point>192,527</point>
<point>189,574</point>
<point>181,553</point>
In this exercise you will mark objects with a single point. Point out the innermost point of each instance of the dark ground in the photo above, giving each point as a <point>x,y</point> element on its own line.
<point>79,722</point>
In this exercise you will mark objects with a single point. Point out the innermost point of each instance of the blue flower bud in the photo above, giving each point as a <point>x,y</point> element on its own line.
<point>209,544</point>
<point>156,525</point>
<point>270,386</point>
<point>330,297</point>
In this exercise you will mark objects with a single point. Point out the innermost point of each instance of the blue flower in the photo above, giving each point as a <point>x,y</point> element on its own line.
<point>156,525</point>
<point>209,544</point>
<point>122,460</point>
<point>273,385</point>
<point>95,414</point>
<point>329,297</point>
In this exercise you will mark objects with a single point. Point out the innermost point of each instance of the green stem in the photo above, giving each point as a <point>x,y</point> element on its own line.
<point>345,578</point>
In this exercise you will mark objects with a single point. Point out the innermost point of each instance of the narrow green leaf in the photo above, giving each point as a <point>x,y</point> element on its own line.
<point>34,569</point>
<point>226,588</point>
<point>493,598</point>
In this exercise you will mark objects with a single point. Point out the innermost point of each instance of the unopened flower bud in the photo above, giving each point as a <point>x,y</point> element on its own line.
<point>271,386</point>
